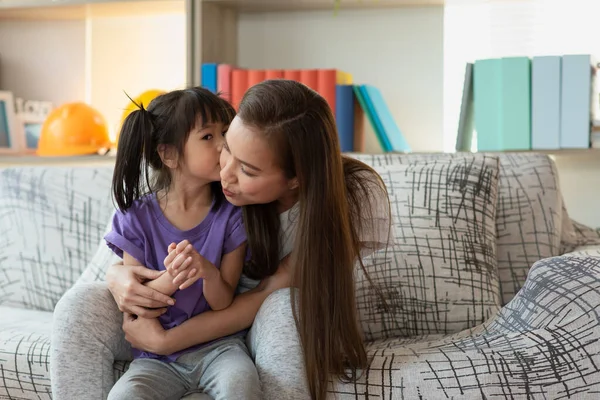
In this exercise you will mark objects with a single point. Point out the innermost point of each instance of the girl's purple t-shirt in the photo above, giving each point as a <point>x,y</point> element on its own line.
<point>145,234</point>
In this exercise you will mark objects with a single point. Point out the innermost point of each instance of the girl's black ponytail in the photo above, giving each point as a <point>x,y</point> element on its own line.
<point>135,145</point>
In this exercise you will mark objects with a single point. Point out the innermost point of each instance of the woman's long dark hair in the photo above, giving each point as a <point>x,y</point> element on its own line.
<point>168,120</point>
<point>334,193</point>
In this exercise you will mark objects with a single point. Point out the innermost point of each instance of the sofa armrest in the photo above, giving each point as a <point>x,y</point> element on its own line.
<point>275,346</point>
<point>559,293</point>
<point>543,344</point>
<point>585,251</point>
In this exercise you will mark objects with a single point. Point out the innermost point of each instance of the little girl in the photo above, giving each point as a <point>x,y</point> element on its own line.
<point>166,186</point>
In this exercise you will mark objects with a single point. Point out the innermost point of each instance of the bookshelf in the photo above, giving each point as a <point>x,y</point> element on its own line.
<point>92,51</point>
<point>34,161</point>
<point>301,5</point>
<point>41,10</point>
<point>216,31</point>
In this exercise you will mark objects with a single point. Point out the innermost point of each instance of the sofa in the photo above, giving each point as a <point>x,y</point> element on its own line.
<point>487,288</point>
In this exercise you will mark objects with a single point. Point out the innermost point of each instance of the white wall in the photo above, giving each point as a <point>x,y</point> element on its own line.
<point>134,54</point>
<point>94,60</point>
<point>43,60</point>
<point>398,50</point>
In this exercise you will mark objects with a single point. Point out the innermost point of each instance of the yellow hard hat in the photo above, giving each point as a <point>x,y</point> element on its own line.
<point>143,99</point>
<point>73,129</point>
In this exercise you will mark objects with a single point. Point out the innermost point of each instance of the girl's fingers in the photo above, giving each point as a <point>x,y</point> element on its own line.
<point>185,264</point>
<point>188,283</point>
<point>180,262</point>
<point>182,245</point>
<point>179,279</point>
<point>170,258</point>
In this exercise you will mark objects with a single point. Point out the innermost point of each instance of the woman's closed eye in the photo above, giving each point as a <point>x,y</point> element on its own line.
<point>245,172</point>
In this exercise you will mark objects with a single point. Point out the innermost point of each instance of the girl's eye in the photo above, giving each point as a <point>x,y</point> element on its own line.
<point>207,137</point>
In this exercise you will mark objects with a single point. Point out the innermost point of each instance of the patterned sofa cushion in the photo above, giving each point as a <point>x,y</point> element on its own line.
<point>25,353</point>
<point>529,217</point>
<point>58,214</point>
<point>102,259</point>
<point>541,345</point>
<point>440,274</point>
<point>530,213</point>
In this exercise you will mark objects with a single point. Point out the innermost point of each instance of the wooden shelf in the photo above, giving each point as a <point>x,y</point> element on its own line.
<point>7,161</point>
<point>299,5</point>
<point>584,153</point>
<point>80,9</point>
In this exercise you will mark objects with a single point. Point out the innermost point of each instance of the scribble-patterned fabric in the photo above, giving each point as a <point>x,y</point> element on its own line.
<point>440,276</point>
<point>544,344</point>
<point>51,222</point>
<point>541,345</point>
<point>531,222</point>
<point>24,353</point>
<point>529,217</point>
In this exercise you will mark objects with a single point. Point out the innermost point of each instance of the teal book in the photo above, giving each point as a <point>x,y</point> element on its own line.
<point>385,121</point>
<point>361,96</point>
<point>487,93</point>
<point>576,102</point>
<point>516,104</point>
<point>545,102</point>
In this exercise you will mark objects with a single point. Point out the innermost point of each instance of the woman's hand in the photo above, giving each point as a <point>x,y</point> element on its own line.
<point>125,284</point>
<point>280,279</point>
<point>146,334</point>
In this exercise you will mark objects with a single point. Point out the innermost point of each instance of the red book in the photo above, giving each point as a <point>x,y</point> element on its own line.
<point>255,76</point>
<point>239,85</point>
<point>273,74</point>
<point>291,74</point>
<point>224,81</point>
<point>327,79</point>
<point>310,77</point>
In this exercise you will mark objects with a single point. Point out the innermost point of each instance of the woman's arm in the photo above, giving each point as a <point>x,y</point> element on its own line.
<point>207,326</point>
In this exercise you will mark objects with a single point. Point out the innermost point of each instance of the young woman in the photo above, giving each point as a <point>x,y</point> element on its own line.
<point>303,203</point>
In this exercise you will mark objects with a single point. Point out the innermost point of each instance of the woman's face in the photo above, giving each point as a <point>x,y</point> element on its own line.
<point>250,173</point>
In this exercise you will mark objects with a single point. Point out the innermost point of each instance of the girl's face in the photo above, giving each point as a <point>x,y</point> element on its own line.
<point>202,151</point>
<point>249,170</point>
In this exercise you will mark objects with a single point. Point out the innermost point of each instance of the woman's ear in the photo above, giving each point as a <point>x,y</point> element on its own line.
<point>293,184</point>
<point>168,155</point>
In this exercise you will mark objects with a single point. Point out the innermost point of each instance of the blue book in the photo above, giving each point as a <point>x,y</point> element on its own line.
<point>516,103</point>
<point>209,76</point>
<point>487,92</point>
<point>575,106</point>
<point>344,116</point>
<point>384,119</point>
<point>545,102</point>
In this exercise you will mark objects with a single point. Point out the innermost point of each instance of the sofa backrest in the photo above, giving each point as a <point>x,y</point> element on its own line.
<point>52,220</point>
<point>529,211</point>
